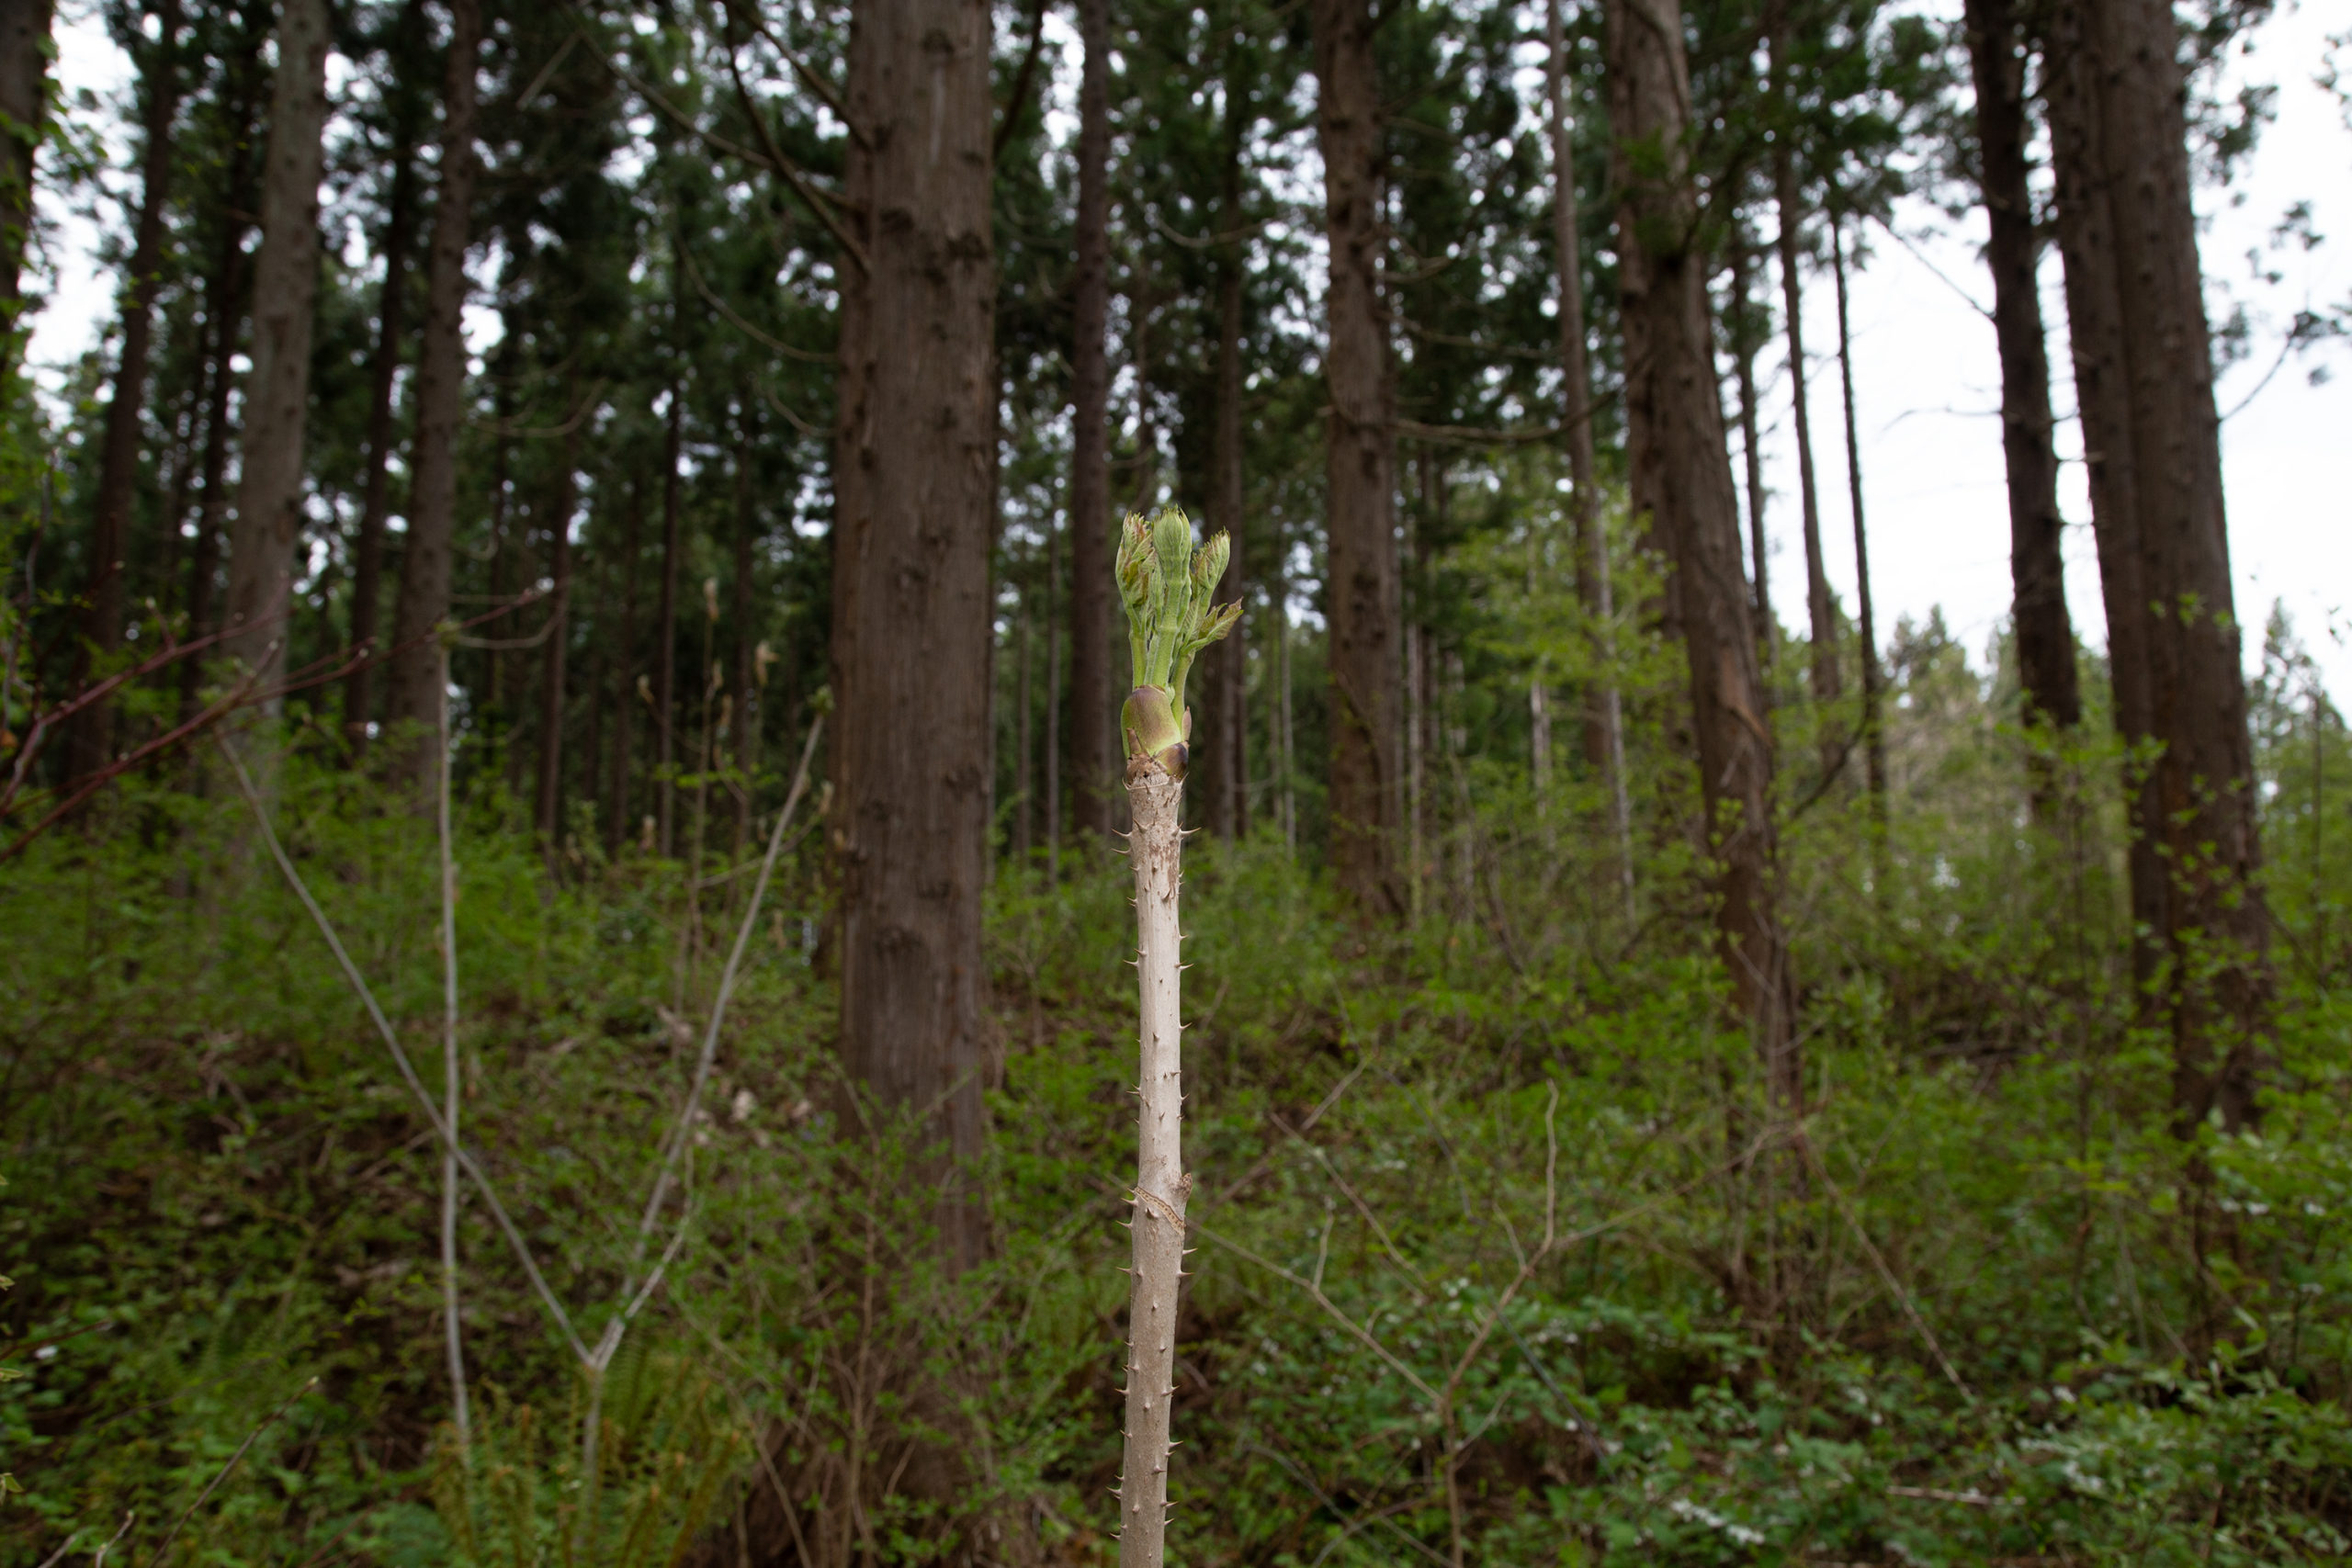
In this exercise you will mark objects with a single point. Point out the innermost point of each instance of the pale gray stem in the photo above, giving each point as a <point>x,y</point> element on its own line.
<point>449,1084</point>
<point>1156,804</point>
<point>465,1161</point>
<point>676,1141</point>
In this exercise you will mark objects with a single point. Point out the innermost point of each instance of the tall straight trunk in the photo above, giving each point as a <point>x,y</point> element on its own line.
<point>750,676</point>
<point>588,775</point>
<point>914,511</point>
<point>187,345</point>
<point>427,558</point>
<point>1224,664</point>
<point>24,100</point>
<point>665,633</point>
<point>1680,476</point>
<point>1820,608</point>
<point>2044,632</point>
<point>1743,358</point>
<point>549,794</point>
<point>107,590</point>
<point>224,311</point>
<point>1023,797</point>
<point>1604,727</point>
<point>1091,742</point>
<point>376,504</point>
<point>624,657</point>
<point>1873,741</point>
<point>1053,711</point>
<point>286,279</point>
<point>1285,736</point>
<point>2145,383</point>
<point>507,550</point>
<point>1143,304</point>
<point>1366,784</point>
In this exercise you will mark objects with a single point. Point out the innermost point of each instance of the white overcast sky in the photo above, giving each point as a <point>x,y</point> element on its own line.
<point>1928,379</point>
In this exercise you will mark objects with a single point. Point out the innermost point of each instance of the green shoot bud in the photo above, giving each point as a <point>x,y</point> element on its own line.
<point>1166,585</point>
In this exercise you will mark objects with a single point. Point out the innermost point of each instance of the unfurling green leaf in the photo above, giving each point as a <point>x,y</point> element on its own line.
<point>1167,585</point>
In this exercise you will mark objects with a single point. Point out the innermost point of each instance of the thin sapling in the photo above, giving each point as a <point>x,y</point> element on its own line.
<point>1166,584</point>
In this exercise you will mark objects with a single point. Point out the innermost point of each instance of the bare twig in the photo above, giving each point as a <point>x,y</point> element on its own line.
<point>465,1158</point>
<point>711,298</point>
<point>99,1559</point>
<point>267,1422</point>
<point>1878,1261</point>
<point>819,203</point>
<point>1014,114</point>
<point>1361,1335</point>
<point>684,1125</point>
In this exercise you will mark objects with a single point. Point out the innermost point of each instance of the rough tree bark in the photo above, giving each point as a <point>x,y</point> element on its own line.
<point>1681,480</point>
<point>2045,635</point>
<point>1366,775</point>
<point>2145,384</point>
<point>107,594</point>
<point>426,558</point>
<point>286,277</point>
<point>376,502</point>
<point>1089,733</point>
<point>1604,727</point>
<point>914,510</point>
<point>24,103</point>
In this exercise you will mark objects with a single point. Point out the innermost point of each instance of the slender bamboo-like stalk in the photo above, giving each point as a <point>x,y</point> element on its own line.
<point>450,1080</point>
<point>1167,588</point>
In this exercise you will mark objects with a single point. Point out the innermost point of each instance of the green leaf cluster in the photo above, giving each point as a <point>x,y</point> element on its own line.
<point>1167,585</point>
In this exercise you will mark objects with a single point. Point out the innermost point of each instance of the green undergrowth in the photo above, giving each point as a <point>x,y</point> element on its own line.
<point>1500,1258</point>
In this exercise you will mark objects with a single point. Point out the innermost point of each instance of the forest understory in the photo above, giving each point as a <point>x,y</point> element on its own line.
<point>1502,1253</point>
<point>574,992</point>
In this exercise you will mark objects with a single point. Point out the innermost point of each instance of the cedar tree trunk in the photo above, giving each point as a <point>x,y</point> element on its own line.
<point>1366,788</point>
<point>1681,480</point>
<point>426,559</point>
<point>549,794</point>
<point>914,510</point>
<point>665,632</point>
<point>1819,608</point>
<point>2045,636</point>
<point>277,395</point>
<point>1873,741</point>
<point>1090,739</point>
<point>105,598</point>
<point>1604,727</point>
<point>376,504</point>
<point>2145,383</point>
<point>23,99</point>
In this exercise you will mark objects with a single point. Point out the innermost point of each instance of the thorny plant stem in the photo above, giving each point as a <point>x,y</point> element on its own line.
<point>1156,803</point>
<point>1168,587</point>
<point>454,1330</point>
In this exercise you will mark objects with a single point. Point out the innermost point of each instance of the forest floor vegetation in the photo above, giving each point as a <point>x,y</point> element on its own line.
<point>1500,1254</point>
